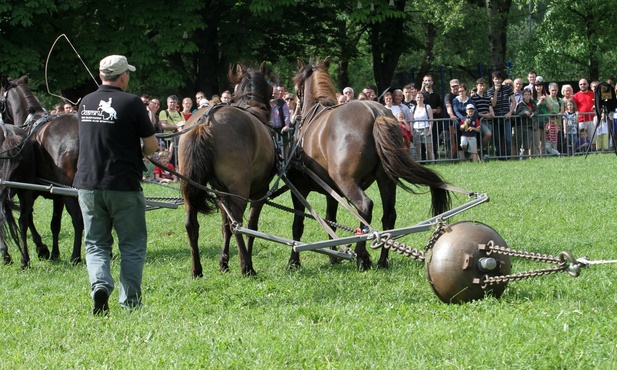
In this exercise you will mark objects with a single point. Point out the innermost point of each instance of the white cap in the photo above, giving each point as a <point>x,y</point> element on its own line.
<point>470,106</point>
<point>114,65</point>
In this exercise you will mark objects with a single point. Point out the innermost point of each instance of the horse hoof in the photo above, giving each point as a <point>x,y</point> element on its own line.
<point>76,261</point>
<point>7,259</point>
<point>383,264</point>
<point>44,254</point>
<point>223,268</point>
<point>293,265</point>
<point>335,260</point>
<point>197,275</point>
<point>55,256</point>
<point>364,264</point>
<point>249,272</point>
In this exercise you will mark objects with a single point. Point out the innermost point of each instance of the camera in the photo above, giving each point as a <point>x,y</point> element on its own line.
<point>427,84</point>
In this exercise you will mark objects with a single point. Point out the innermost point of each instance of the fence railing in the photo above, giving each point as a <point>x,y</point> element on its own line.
<point>500,138</point>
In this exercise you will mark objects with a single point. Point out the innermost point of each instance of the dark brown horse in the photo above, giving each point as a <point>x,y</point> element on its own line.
<point>17,165</point>
<point>55,141</point>
<point>230,149</point>
<point>349,147</point>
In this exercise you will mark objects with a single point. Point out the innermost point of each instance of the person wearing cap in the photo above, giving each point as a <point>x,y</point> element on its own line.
<point>485,113</point>
<point>453,123</point>
<point>115,133</point>
<point>470,126</point>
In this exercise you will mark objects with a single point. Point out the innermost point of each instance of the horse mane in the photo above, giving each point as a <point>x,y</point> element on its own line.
<point>32,105</point>
<point>253,92</point>
<point>321,87</point>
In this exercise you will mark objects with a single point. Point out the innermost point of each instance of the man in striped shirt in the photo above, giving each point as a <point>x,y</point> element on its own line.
<point>485,112</point>
<point>503,103</point>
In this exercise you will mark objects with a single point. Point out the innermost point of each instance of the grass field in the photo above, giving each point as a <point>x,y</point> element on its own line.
<point>332,316</point>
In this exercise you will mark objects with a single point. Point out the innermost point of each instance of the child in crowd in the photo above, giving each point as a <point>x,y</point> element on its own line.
<point>148,174</point>
<point>552,130</point>
<point>469,128</point>
<point>570,124</point>
<point>602,131</point>
<point>405,128</point>
<point>161,175</point>
<point>583,141</point>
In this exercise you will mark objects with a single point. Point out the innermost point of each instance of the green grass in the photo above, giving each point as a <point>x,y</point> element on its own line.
<point>334,317</point>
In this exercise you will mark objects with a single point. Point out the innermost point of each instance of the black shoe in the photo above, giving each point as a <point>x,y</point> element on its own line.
<point>101,305</point>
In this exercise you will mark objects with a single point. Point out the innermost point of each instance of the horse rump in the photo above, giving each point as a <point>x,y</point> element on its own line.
<point>398,164</point>
<point>195,159</point>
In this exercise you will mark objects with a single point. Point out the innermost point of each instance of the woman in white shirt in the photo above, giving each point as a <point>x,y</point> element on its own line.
<point>423,127</point>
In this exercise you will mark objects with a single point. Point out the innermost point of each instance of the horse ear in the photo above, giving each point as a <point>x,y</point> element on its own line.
<point>4,82</point>
<point>232,75</point>
<point>263,68</point>
<point>326,62</point>
<point>301,63</point>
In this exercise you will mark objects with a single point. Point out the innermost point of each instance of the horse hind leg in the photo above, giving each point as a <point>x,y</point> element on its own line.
<point>192,230</point>
<point>72,207</point>
<point>226,232</point>
<point>246,261</point>
<point>297,231</point>
<point>331,211</point>
<point>387,191</point>
<point>364,205</point>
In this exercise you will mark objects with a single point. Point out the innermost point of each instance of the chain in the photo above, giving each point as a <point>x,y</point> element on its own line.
<point>308,215</point>
<point>439,231</point>
<point>565,261</point>
<point>401,248</point>
<point>491,247</point>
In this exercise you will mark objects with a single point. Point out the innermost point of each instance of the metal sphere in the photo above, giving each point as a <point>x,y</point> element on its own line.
<point>456,260</point>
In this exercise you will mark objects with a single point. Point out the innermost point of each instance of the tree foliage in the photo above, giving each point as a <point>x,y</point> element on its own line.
<point>184,46</point>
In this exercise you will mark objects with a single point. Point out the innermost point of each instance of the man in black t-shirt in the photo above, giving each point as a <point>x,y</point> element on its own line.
<point>112,125</point>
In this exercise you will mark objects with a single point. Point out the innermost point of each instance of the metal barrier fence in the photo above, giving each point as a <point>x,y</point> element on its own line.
<point>500,138</point>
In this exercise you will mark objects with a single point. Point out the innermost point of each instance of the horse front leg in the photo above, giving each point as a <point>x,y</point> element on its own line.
<point>192,231</point>
<point>253,224</point>
<point>331,211</point>
<point>24,220</point>
<point>72,206</point>
<point>297,231</point>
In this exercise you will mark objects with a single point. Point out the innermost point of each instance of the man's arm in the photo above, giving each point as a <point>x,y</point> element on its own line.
<point>150,145</point>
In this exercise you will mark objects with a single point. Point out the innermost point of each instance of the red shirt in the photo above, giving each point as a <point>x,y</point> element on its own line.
<point>164,174</point>
<point>584,103</point>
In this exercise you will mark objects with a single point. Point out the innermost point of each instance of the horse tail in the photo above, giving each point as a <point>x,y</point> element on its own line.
<point>398,164</point>
<point>196,159</point>
<point>12,151</point>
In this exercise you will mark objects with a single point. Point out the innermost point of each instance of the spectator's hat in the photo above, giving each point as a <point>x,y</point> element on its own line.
<point>454,82</point>
<point>470,106</point>
<point>114,65</point>
<point>204,103</point>
<point>539,80</point>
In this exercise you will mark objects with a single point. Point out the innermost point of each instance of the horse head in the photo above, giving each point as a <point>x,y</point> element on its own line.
<point>17,101</point>
<point>252,91</point>
<point>314,85</point>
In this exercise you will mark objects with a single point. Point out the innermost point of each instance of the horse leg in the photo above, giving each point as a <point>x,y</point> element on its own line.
<point>364,205</point>
<point>26,201</point>
<point>72,207</point>
<point>226,231</point>
<point>36,237</point>
<point>297,231</point>
<point>246,262</point>
<point>253,224</point>
<point>192,230</point>
<point>331,211</point>
<point>387,190</point>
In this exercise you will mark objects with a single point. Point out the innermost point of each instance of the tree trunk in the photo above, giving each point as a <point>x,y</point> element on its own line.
<point>386,47</point>
<point>429,54</point>
<point>497,31</point>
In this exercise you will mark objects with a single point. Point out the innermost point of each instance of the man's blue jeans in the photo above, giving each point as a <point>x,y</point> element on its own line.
<point>125,212</point>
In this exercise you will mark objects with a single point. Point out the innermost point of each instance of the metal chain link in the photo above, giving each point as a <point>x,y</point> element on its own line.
<point>308,215</point>
<point>439,231</point>
<point>491,247</point>
<point>401,248</point>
